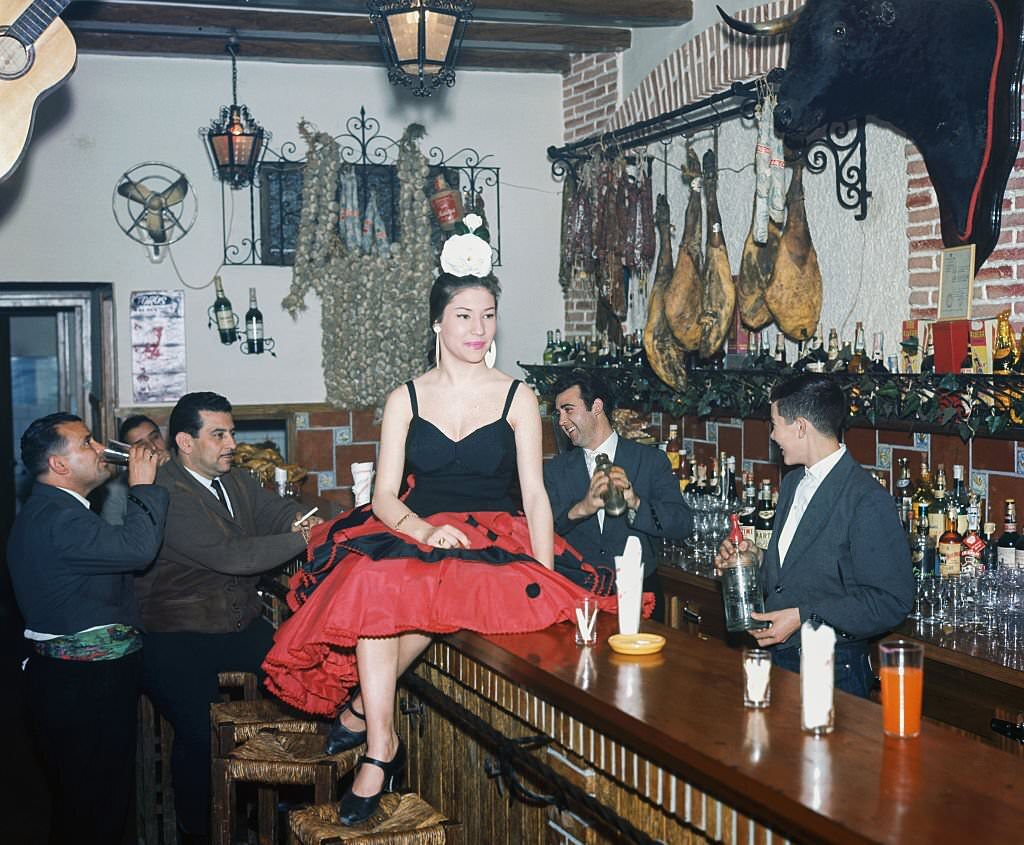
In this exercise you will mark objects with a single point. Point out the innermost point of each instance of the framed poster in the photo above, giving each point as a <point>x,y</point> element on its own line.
<point>956,283</point>
<point>158,345</point>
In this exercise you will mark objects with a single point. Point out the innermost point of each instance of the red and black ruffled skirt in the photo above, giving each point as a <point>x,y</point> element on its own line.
<point>363,580</point>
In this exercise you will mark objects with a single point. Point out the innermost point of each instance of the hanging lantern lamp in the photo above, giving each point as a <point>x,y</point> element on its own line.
<point>421,40</point>
<point>235,141</point>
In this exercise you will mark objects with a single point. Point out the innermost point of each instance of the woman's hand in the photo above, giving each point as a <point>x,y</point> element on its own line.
<point>446,537</point>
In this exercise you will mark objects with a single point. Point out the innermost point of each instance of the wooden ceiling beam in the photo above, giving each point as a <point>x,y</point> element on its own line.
<point>327,52</point>
<point>253,24</point>
<point>620,13</point>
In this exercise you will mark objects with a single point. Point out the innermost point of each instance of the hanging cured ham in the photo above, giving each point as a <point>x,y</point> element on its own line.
<point>718,291</point>
<point>682,295</point>
<point>756,267</point>
<point>664,354</point>
<point>795,292</point>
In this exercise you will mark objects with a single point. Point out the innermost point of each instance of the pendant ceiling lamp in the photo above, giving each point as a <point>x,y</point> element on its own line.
<point>235,141</point>
<point>421,40</point>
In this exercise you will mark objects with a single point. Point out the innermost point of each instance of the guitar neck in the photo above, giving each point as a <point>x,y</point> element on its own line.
<point>35,19</point>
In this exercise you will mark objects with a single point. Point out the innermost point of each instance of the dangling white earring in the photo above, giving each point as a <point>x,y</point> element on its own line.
<point>492,354</point>
<point>437,346</point>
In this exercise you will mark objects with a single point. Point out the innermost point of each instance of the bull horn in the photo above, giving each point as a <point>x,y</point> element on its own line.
<point>764,28</point>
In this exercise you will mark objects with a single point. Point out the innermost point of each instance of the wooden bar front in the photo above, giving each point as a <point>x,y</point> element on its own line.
<point>666,742</point>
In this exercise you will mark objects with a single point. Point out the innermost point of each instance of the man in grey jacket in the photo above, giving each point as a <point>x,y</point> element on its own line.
<point>838,553</point>
<point>199,602</point>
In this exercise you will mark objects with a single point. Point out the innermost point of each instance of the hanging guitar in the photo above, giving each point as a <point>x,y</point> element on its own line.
<point>37,53</point>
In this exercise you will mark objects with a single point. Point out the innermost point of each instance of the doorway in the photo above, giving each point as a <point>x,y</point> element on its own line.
<point>56,354</point>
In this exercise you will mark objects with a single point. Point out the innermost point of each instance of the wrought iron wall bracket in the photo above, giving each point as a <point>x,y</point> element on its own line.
<point>844,144</point>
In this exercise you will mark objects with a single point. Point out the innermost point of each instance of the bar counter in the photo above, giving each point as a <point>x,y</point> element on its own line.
<point>666,741</point>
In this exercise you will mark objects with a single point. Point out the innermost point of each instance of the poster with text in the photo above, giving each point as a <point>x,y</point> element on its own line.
<point>158,345</point>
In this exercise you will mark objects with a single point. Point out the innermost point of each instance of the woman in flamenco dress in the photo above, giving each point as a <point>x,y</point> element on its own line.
<point>460,549</point>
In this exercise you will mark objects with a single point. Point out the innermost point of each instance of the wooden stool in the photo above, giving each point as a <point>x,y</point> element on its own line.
<point>234,722</point>
<point>271,760</point>
<point>232,683</point>
<point>401,820</point>
<point>155,820</point>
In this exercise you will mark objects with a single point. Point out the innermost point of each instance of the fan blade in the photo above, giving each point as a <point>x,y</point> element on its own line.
<point>134,191</point>
<point>175,193</point>
<point>155,226</point>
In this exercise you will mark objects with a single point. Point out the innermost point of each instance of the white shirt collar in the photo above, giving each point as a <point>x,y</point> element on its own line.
<point>202,479</point>
<point>607,448</point>
<point>823,467</point>
<point>79,496</point>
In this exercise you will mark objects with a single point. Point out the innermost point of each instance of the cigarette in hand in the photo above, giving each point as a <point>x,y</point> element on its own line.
<point>304,517</point>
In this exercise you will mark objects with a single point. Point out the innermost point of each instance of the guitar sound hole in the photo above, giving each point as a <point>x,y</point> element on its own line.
<point>15,59</point>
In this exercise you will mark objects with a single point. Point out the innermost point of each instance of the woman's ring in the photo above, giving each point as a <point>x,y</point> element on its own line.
<point>442,541</point>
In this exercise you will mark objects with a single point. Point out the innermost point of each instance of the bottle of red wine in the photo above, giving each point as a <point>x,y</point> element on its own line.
<point>222,313</point>
<point>254,324</point>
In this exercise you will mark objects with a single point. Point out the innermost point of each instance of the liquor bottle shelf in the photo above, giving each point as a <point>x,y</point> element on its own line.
<point>968,405</point>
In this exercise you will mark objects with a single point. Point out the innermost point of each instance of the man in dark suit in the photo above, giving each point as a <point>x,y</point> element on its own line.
<point>199,601</point>
<point>838,553</point>
<point>655,506</point>
<point>72,576</point>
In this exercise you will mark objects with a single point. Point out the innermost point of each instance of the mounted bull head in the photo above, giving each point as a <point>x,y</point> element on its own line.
<point>947,74</point>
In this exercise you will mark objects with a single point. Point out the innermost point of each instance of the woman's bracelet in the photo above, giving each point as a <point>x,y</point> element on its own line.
<point>403,519</point>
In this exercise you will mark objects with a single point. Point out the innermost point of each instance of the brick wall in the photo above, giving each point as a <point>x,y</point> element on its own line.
<point>327,443</point>
<point>590,94</point>
<point>999,284</point>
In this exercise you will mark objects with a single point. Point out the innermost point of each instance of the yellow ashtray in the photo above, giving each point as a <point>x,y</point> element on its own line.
<point>636,643</point>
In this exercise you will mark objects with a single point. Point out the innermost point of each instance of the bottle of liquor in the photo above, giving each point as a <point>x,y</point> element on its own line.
<point>958,496</point>
<point>673,447</point>
<point>877,362</point>
<point>731,495</point>
<point>938,511</point>
<point>950,542</point>
<point>928,360</point>
<point>446,203</point>
<point>765,521</point>
<point>1019,555</point>
<point>549,349</point>
<point>780,350</point>
<point>972,547</point>
<point>923,493</point>
<point>713,490</point>
<point>254,324</point>
<point>832,356</point>
<point>990,554</point>
<point>1006,548</point>
<point>702,480</point>
<point>858,363</point>
<point>748,513</point>
<point>222,313</point>
<point>1003,354</point>
<point>903,488</point>
<point>558,351</point>
<point>921,548</point>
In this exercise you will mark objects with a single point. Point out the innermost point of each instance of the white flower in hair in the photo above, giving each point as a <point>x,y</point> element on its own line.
<point>473,222</point>
<point>466,255</point>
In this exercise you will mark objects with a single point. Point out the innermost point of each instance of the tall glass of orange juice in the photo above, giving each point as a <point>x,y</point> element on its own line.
<point>902,674</point>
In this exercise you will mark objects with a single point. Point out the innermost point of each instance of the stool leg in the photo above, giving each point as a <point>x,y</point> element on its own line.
<point>222,808</point>
<point>325,783</point>
<point>267,815</point>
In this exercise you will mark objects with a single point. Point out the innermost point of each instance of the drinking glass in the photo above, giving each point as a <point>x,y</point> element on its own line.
<point>902,675</point>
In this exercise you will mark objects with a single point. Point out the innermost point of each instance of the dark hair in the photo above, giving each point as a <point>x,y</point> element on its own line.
<point>815,397</point>
<point>41,439</point>
<point>591,386</point>
<point>185,416</point>
<point>445,287</point>
<point>131,422</point>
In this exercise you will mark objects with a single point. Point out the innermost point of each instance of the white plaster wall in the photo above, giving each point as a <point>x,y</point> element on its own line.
<point>863,263</point>
<point>56,222</point>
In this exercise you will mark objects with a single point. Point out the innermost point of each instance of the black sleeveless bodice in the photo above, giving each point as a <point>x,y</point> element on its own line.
<point>476,473</point>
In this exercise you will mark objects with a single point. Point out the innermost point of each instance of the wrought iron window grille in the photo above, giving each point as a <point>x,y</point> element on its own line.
<point>275,194</point>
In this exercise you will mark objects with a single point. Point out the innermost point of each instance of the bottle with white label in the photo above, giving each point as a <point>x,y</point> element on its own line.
<point>1007,546</point>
